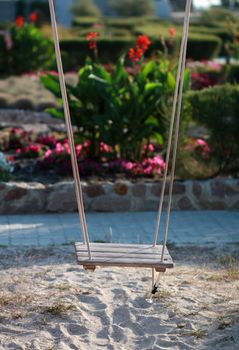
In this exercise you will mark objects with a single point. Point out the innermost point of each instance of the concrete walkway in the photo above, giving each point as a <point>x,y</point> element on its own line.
<point>196,227</point>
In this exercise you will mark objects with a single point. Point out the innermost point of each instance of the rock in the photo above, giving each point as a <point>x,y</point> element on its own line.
<point>156,189</point>
<point>15,194</point>
<point>212,205</point>
<point>221,188</point>
<point>197,189</point>
<point>139,190</point>
<point>62,198</point>
<point>110,204</point>
<point>2,186</point>
<point>120,188</point>
<point>94,190</point>
<point>178,188</point>
<point>185,204</point>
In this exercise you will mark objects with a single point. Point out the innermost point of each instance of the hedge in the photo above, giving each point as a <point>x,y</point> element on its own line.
<point>217,109</point>
<point>76,50</point>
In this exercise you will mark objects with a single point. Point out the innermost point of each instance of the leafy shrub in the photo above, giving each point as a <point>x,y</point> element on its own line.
<point>74,51</point>
<point>133,8</point>
<point>217,109</point>
<point>119,108</point>
<point>24,49</point>
<point>214,16</point>
<point>85,8</point>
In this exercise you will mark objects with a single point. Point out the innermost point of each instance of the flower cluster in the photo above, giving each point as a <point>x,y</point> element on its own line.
<point>92,40</point>
<point>30,151</point>
<point>20,19</point>
<point>53,153</point>
<point>204,74</point>
<point>200,147</point>
<point>142,46</point>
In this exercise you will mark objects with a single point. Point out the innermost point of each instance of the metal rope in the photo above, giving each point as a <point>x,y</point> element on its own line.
<point>179,78</point>
<point>78,190</point>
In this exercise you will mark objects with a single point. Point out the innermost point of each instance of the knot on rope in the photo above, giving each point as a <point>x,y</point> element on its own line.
<point>154,289</point>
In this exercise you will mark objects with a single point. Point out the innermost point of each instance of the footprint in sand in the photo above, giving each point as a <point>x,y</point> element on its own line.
<point>75,329</point>
<point>93,302</point>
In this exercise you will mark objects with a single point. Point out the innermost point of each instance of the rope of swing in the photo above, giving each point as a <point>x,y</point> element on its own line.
<point>176,112</point>
<point>78,190</point>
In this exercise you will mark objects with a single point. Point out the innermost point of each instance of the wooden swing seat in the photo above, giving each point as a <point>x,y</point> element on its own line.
<point>123,255</point>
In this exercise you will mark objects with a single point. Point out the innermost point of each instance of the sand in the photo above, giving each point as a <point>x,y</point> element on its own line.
<point>48,302</point>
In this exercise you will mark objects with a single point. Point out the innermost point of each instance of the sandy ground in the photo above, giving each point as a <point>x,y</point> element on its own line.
<point>48,302</point>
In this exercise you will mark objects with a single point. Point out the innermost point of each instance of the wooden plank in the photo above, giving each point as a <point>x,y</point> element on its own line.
<point>123,261</point>
<point>96,255</point>
<point>149,249</point>
<point>135,255</point>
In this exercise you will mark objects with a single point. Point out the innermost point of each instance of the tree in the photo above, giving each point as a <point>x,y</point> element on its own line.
<point>230,3</point>
<point>85,8</point>
<point>134,8</point>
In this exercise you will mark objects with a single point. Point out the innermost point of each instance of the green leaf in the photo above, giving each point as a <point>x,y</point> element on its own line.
<point>158,138</point>
<point>52,84</point>
<point>171,80</point>
<point>55,113</point>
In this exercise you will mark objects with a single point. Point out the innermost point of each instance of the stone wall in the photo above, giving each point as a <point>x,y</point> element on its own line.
<point>19,197</point>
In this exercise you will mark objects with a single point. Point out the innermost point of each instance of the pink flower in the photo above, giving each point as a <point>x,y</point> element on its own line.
<point>78,149</point>
<point>48,153</point>
<point>59,148</point>
<point>128,165</point>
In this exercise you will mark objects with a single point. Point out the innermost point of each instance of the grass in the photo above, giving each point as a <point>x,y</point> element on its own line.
<point>162,295</point>
<point>59,309</point>
<point>199,333</point>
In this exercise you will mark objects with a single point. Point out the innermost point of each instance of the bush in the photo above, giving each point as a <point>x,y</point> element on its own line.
<point>123,108</point>
<point>215,16</point>
<point>135,8</point>
<point>85,8</point>
<point>232,73</point>
<point>75,51</point>
<point>200,45</point>
<point>203,46</point>
<point>217,109</point>
<point>26,50</point>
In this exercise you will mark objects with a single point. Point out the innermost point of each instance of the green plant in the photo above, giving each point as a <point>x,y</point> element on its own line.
<point>24,49</point>
<point>212,17</point>
<point>85,8</point>
<point>119,108</point>
<point>217,109</point>
<point>132,7</point>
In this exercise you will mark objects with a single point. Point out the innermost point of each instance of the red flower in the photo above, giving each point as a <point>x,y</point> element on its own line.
<point>91,38</point>
<point>33,17</point>
<point>19,21</point>
<point>135,54</point>
<point>143,43</point>
<point>92,45</point>
<point>171,31</point>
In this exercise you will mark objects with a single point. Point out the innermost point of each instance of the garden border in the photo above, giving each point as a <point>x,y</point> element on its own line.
<point>26,198</point>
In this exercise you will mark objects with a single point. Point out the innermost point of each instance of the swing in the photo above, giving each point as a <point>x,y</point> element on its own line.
<point>152,256</point>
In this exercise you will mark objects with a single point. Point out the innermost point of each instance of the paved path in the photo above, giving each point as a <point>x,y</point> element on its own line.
<point>196,227</point>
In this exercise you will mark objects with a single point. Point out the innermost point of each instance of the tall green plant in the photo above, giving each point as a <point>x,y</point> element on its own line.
<point>119,108</point>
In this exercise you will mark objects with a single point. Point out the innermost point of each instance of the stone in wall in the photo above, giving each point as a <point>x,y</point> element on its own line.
<point>61,198</point>
<point>111,204</point>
